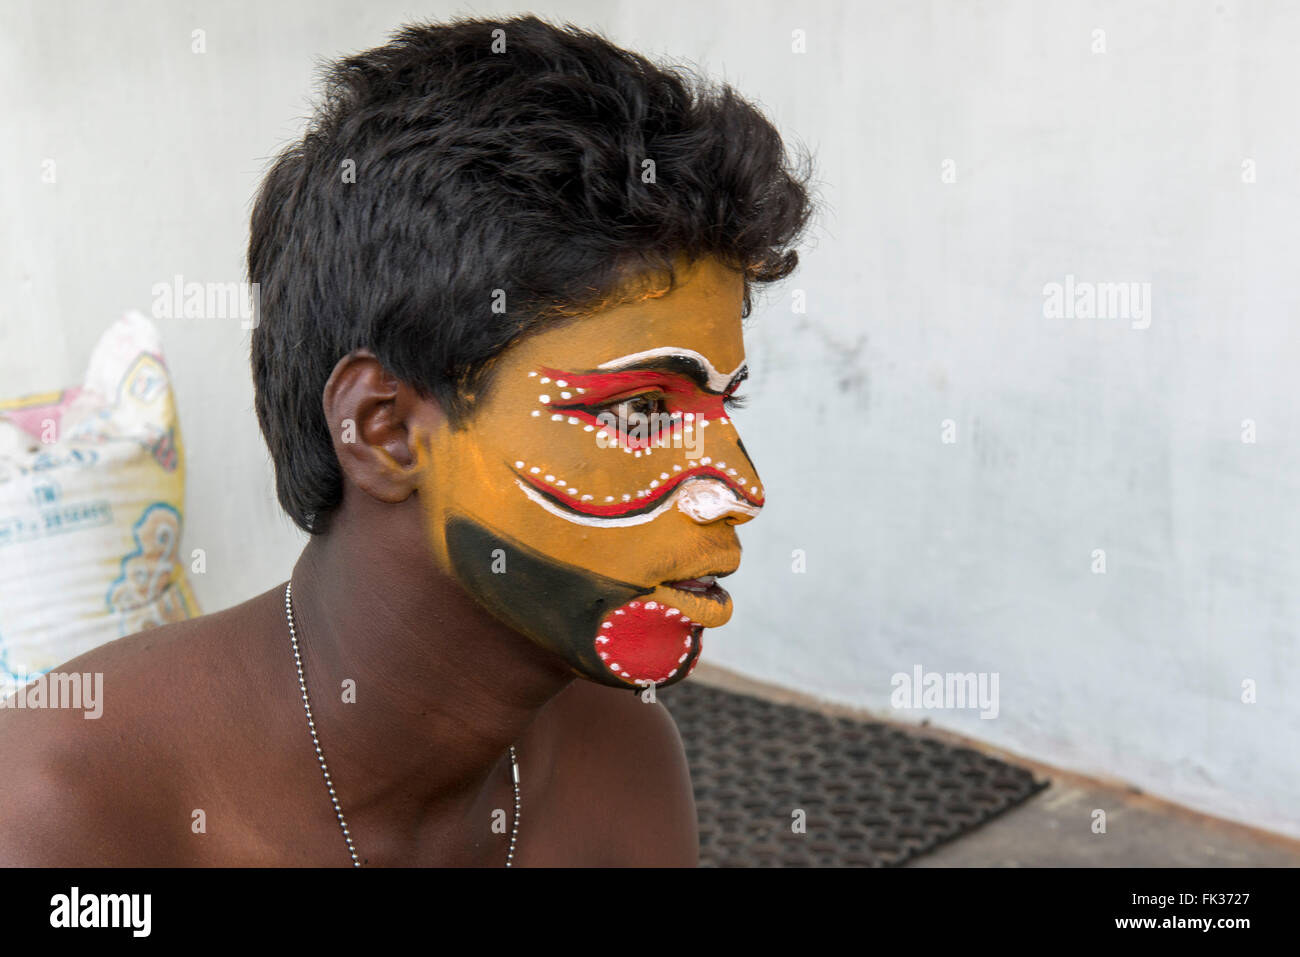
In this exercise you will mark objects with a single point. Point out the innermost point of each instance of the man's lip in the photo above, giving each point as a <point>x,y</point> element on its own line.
<point>703,583</point>
<point>704,589</point>
<point>695,580</point>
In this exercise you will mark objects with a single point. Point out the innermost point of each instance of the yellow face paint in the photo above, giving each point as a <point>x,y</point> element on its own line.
<point>600,465</point>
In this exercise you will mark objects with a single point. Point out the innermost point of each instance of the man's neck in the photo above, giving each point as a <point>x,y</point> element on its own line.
<point>442,689</point>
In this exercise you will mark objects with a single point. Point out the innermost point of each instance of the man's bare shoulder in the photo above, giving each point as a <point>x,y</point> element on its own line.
<point>96,751</point>
<point>621,770</point>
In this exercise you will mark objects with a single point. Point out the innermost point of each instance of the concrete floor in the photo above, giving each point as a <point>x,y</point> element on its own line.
<point>1054,828</point>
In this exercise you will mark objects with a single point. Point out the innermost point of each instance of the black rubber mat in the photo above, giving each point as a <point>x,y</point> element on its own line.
<point>872,794</point>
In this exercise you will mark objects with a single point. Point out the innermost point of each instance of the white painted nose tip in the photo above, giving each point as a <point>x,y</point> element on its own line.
<point>707,500</point>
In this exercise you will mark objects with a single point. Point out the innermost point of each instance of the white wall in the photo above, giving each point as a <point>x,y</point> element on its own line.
<point>924,303</point>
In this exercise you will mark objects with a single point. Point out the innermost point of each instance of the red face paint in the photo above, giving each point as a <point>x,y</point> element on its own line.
<point>648,642</point>
<point>587,392</point>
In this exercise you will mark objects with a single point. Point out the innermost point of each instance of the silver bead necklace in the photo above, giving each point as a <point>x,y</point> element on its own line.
<point>320,755</point>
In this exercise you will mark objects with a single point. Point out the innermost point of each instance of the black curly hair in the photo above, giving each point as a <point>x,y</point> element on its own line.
<point>476,162</point>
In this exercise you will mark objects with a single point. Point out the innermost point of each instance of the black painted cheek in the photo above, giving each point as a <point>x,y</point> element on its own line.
<point>557,605</point>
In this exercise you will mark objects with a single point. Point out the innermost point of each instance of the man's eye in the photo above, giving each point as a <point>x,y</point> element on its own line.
<point>646,404</point>
<point>735,401</point>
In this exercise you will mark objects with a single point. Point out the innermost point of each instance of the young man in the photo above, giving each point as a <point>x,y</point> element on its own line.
<point>502,280</point>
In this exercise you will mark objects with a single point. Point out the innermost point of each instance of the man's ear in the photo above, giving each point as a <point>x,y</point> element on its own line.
<point>370,413</point>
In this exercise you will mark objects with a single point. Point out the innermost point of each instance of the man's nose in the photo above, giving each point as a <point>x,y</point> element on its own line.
<point>727,486</point>
<point>707,499</point>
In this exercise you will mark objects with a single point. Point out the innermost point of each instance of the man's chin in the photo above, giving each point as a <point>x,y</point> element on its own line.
<point>613,632</point>
<point>647,642</point>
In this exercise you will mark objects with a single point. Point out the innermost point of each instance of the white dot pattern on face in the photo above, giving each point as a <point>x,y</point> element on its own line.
<point>560,484</point>
<point>689,417</point>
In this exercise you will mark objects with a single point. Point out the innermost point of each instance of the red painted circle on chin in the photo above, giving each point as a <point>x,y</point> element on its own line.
<point>645,641</point>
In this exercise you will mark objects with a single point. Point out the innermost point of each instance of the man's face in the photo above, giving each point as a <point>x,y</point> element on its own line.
<point>600,466</point>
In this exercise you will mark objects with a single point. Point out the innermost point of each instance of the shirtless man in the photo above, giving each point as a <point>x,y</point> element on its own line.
<point>473,301</point>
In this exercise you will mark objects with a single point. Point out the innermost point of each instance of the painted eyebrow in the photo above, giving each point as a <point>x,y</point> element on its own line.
<point>683,362</point>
